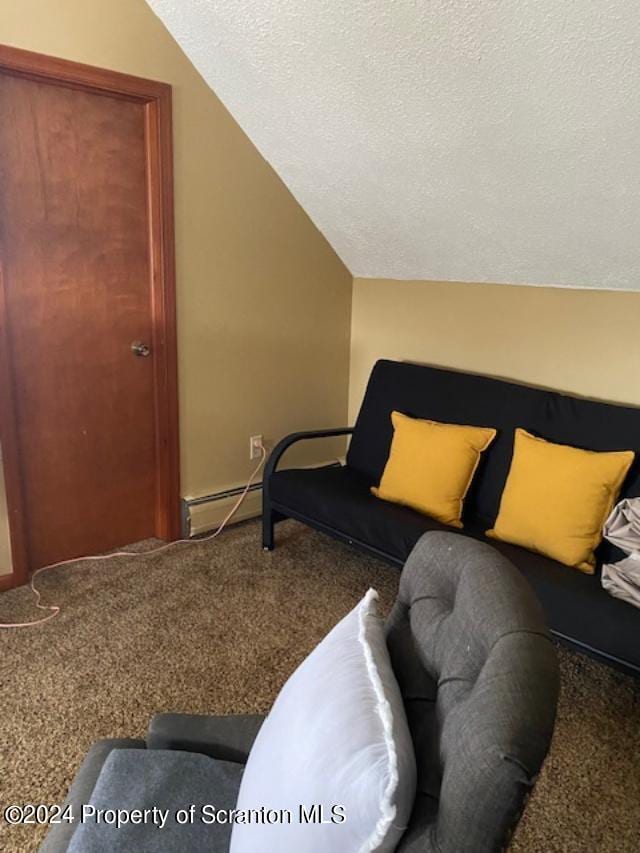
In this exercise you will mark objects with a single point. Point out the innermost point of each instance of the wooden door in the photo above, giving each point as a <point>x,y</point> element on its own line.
<point>87,313</point>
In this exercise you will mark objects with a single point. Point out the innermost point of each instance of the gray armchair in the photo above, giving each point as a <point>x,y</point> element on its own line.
<point>478,673</point>
<point>479,677</point>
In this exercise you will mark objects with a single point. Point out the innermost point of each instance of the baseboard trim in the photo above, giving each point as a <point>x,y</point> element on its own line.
<point>205,516</point>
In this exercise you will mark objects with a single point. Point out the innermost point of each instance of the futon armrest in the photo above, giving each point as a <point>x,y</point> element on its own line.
<point>228,738</point>
<point>294,437</point>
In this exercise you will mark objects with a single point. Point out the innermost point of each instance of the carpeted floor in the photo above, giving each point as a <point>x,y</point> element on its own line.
<point>218,627</point>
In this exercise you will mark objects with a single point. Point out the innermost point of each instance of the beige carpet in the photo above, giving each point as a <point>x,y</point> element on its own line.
<point>218,627</point>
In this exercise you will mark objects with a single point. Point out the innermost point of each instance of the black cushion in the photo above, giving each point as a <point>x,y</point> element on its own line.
<point>577,607</point>
<point>466,398</point>
<point>575,604</point>
<point>340,498</point>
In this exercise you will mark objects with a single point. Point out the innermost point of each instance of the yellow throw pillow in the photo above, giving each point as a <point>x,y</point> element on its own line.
<point>431,465</point>
<point>557,499</point>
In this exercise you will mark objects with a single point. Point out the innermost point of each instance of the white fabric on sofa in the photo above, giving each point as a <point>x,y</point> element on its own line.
<point>622,528</point>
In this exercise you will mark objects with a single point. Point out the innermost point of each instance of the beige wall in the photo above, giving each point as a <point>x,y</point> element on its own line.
<point>263,301</point>
<point>582,341</point>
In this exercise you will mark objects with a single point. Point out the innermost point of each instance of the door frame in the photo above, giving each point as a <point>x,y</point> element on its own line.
<point>156,98</point>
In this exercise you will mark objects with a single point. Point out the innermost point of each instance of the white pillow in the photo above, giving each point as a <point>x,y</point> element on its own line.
<point>336,737</point>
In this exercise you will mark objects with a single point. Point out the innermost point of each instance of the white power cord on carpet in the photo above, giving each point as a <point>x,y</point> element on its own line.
<point>56,608</point>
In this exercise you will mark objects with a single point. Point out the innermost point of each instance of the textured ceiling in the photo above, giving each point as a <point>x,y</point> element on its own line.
<point>472,140</point>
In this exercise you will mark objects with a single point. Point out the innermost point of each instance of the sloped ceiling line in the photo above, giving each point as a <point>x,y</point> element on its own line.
<point>449,140</point>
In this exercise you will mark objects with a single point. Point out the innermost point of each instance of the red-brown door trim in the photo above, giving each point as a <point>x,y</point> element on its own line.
<point>10,457</point>
<point>156,98</point>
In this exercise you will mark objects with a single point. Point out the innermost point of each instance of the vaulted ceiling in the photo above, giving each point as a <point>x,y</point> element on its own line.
<point>472,140</point>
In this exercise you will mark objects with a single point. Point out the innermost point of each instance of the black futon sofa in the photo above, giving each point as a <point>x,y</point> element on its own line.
<point>337,500</point>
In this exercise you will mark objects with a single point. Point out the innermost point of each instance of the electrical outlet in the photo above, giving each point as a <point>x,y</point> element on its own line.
<point>255,447</point>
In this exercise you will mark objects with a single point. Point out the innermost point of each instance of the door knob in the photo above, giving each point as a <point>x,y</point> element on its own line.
<point>140,349</point>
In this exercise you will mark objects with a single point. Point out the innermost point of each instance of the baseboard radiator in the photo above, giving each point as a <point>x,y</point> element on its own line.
<point>203,514</point>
